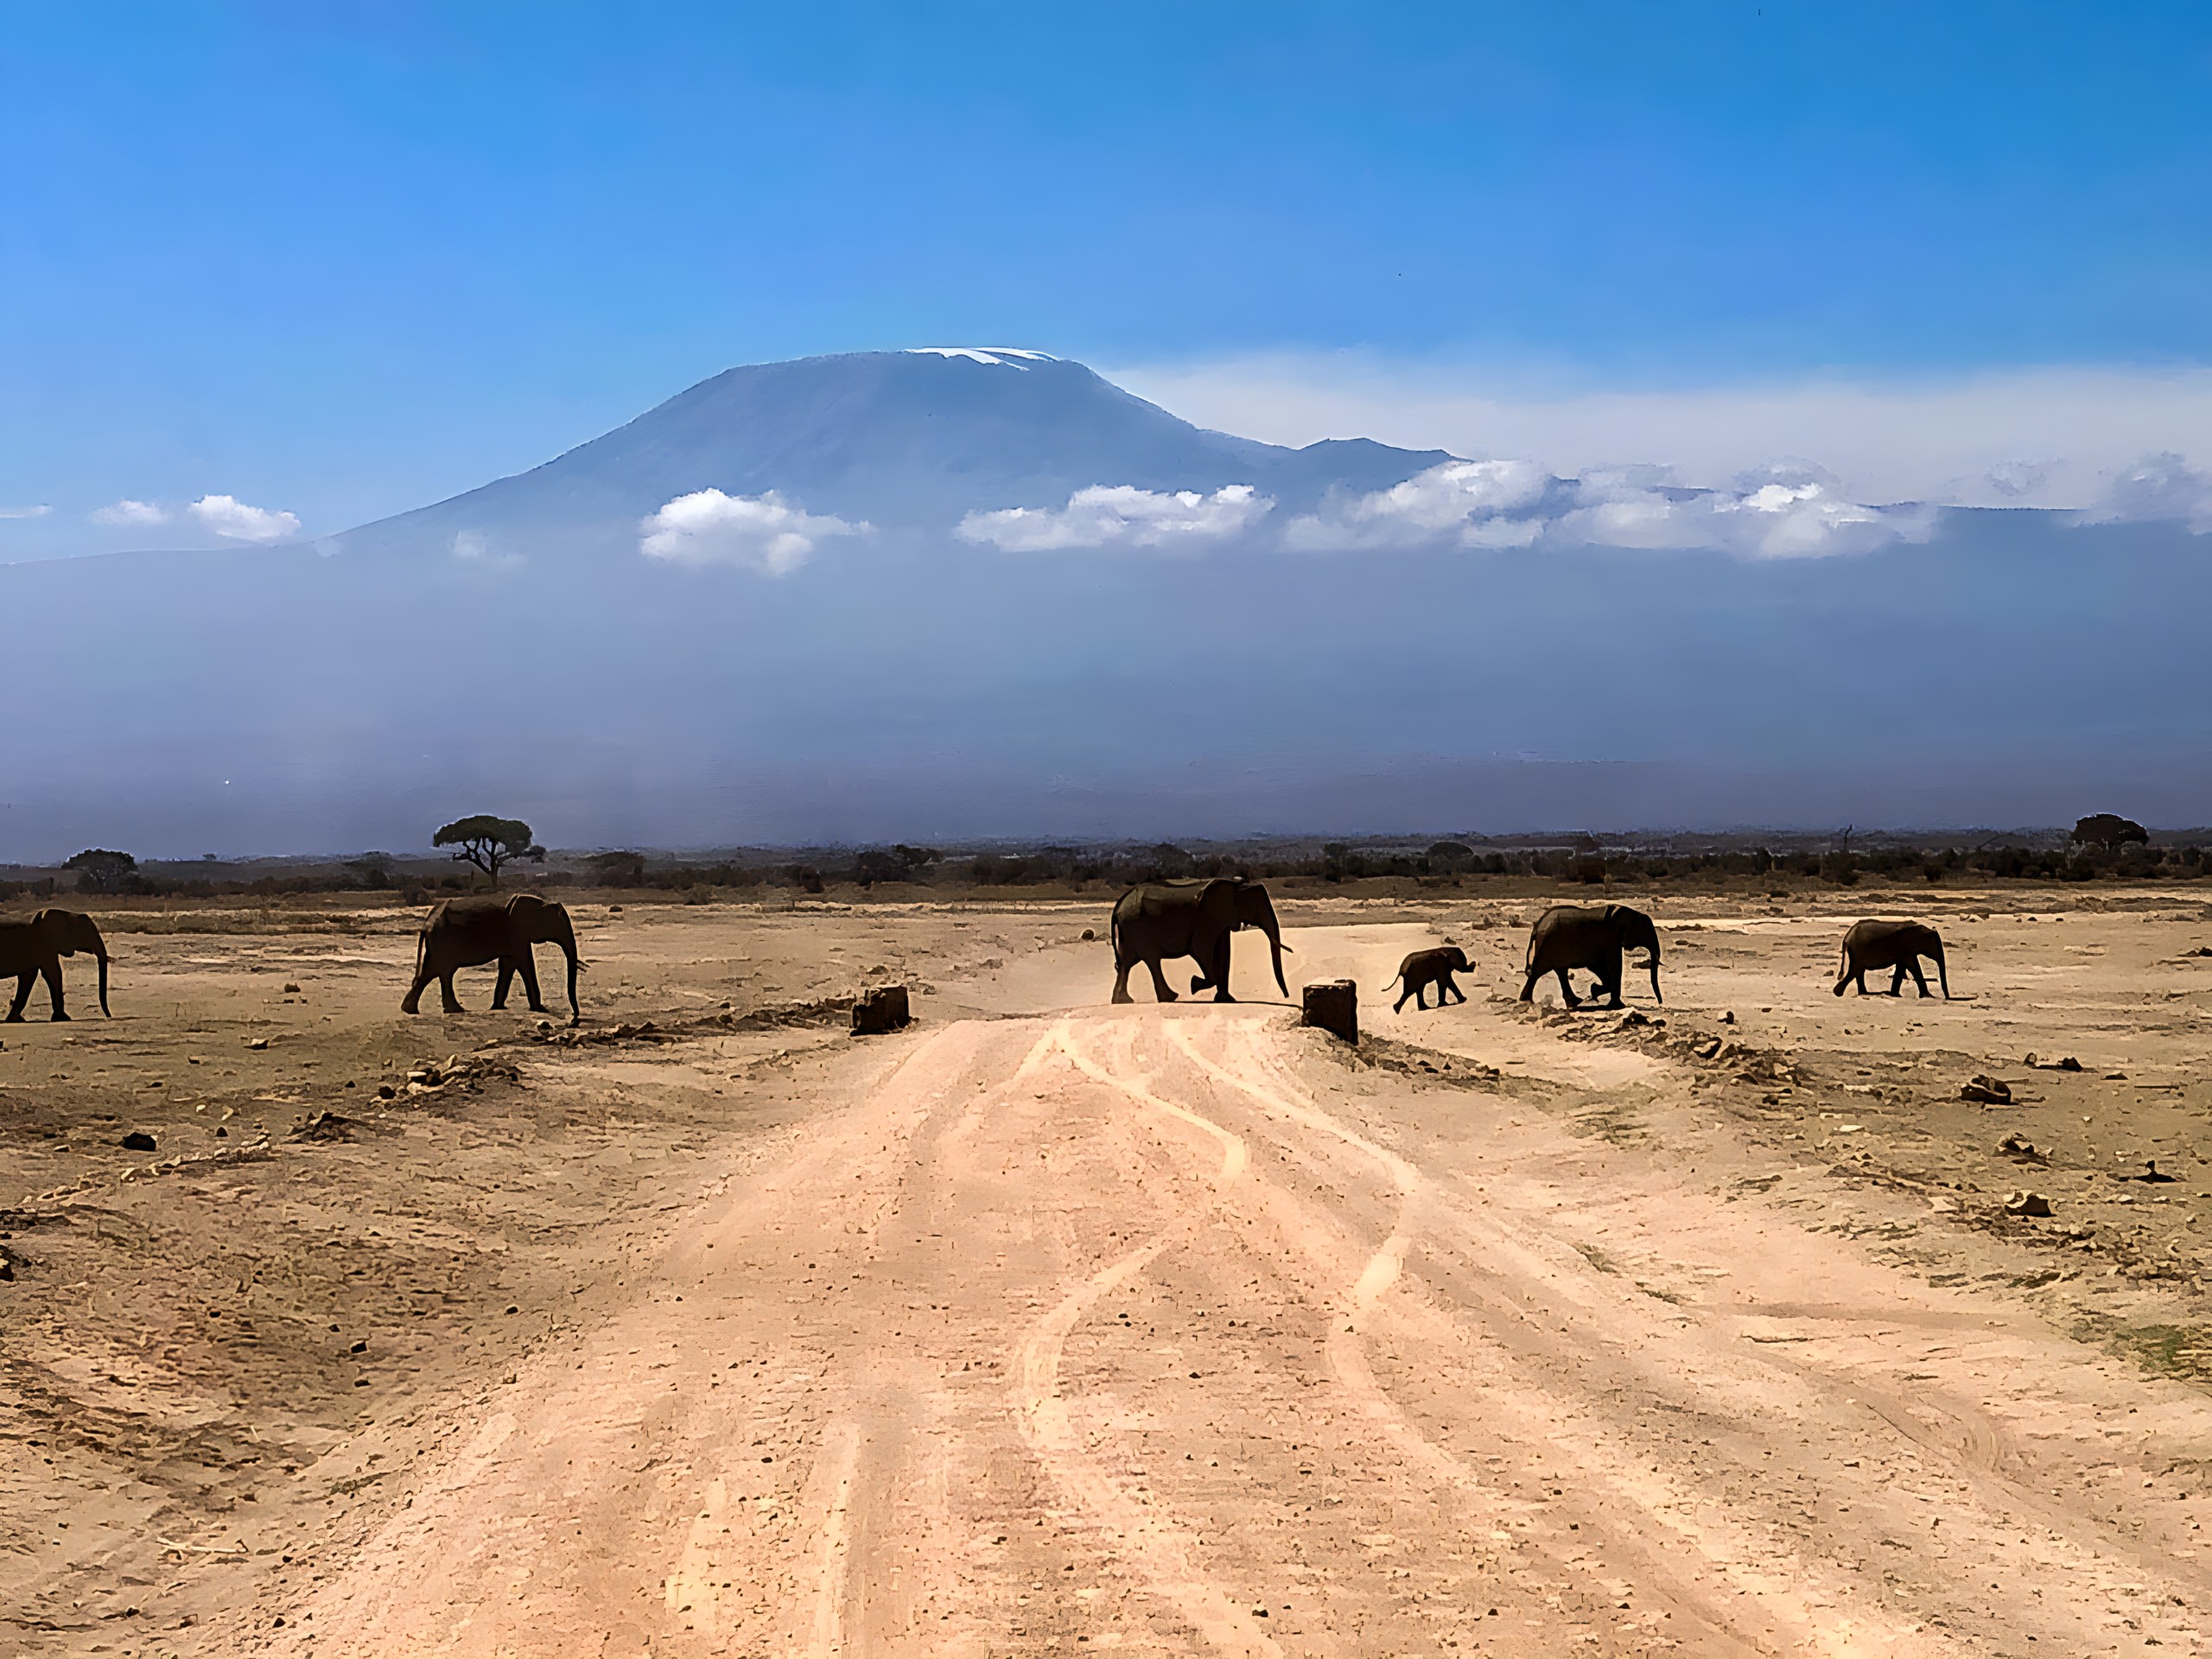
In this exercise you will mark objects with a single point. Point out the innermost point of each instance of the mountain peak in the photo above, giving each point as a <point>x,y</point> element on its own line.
<point>997,356</point>
<point>910,440</point>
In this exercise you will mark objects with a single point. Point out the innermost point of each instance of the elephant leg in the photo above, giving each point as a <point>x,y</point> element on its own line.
<point>507,980</point>
<point>1160,987</point>
<point>1122,981</point>
<point>1529,987</point>
<point>1447,983</point>
<point>449,1002</point>
<point>53,972</point>
<point>528,968</point>
<point>1612,988</point>
<point>1897,977</point>
<point>1918,977</point>
<point>1219,976</point>
<point>23,984</point>
<point>1409,991</point>
<point>1858,978</point>
<point>1567,989</point>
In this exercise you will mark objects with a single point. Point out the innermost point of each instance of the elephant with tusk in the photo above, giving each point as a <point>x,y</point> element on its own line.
<point>1194,918</point>
<point>30,950</point>
<point>1433,967</point>
<point>1898,945</point>
<point>1593,937</point>
<point>471,933</point>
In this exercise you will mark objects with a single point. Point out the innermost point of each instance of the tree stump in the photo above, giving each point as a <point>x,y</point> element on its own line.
<point>1333,1005</point>
<point>879,1010</point>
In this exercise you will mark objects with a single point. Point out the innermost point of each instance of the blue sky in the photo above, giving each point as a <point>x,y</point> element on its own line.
<point>341,259</point>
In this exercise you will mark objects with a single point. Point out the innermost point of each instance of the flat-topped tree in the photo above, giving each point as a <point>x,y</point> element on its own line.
<point>488,843</point>
<point>2110,831</point>
<point>101,870</point>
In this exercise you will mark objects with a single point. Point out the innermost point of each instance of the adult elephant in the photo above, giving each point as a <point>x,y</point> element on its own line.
<point>1432,967</point>
<point>1591,937</point>
<point>28,950</point>
<point>1898,945</point>
<point>1159,919</point>
<point>469,932</point>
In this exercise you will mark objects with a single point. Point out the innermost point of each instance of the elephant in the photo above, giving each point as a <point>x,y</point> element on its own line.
<point>469,932</point>
<point>1159,919</point>
<point>1899,945</point>
<point>1591,937</point>
<point>30,948</point>
<point>1433,967</point>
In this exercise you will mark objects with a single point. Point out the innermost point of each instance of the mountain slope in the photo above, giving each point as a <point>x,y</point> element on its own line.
<point>902,440</point>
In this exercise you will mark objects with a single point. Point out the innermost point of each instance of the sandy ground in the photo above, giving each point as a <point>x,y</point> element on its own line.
<point>1051,1326</point>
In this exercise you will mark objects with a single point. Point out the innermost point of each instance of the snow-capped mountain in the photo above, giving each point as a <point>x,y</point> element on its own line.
<point>911,440</point>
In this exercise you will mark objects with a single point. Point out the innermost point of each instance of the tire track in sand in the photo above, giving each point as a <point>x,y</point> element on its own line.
<point>1779,1590</point>
<point>1149,1541</point>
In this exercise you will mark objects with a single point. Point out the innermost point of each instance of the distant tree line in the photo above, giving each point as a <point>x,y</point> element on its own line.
<point>1582,862</point>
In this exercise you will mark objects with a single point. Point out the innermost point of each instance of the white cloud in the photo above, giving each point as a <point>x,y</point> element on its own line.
<point>1107,515</point>
<point>2158,487</point>
<point>230,518</point>
<point>1783,510</point>
<point>471,547</point>
<point>127,513</point>
<point>1476,503</point>
<point>759,532</point>
<point>2039,437</point>
<point>39,512</point>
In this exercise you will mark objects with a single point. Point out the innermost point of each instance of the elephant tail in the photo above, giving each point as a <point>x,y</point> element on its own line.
<point>421,947</point>
<point>1114,933</point>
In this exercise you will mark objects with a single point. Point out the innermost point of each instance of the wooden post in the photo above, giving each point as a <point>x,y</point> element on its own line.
<point>882,1009</point>
<point>1333,1005</point>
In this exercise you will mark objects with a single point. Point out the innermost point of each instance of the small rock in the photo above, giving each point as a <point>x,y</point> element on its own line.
<point>222,1134</point>
<point>1635,1017</point>
<point>1990,1091</point>
<point>1707,1049</point>
<point>1729,1018</point>
<point>385,1092</point>
<point>1088,934</point>
<point>360,1347</point>
<point>324,1126</point>
<point>2151,1174</point>
<point>7,1271</point>
<point>290,990</point>
<point>2013,1146</point>
<point>257,1042</point>
<point>2024,1203</point>
<point>139,1141</point>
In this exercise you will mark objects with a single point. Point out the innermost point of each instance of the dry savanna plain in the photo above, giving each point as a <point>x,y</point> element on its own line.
<point>1050,1327</point>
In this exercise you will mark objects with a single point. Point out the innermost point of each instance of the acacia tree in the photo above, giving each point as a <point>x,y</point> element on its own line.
<point>2110,831</point>
<point>99,870</point>
<point>488,843</point>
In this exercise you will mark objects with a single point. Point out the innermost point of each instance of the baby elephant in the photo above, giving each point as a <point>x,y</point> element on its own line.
<point>1898,945</point>
<point>1426,967</point>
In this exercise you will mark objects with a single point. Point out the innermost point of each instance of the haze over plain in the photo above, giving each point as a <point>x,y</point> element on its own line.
<point>1830,389</point>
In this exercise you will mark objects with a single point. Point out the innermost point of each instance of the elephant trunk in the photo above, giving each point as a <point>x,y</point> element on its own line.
<point>1654,966</point>
<point>97,946</point>
<point>1275,947</point>
<point>565,936</point>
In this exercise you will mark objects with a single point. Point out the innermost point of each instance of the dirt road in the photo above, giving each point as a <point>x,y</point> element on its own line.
<point>1183,1331</point>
